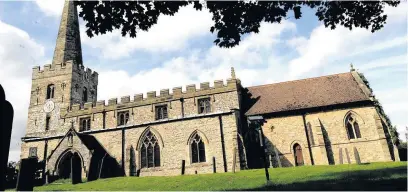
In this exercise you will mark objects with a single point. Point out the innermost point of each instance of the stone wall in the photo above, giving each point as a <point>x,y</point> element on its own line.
<point>329,136</point>
<point>183,120</point>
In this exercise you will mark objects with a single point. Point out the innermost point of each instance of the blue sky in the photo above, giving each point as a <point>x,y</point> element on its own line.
<point>179,51</point>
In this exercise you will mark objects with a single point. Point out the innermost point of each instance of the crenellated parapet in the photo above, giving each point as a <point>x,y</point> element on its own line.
<point>51,70</point>
<point>152,97</point>
<point>86,73</point>
<point>66,68</point>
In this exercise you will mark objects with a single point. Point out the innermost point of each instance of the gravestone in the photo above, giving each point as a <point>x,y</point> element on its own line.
<point>26,174</point>
<point>6,123</point>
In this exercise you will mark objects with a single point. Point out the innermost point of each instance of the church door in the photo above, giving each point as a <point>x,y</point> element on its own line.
<point>298,155</point>
<point>70,167</point>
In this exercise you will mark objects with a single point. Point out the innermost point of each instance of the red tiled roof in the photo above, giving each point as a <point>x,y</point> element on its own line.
<point>306,93</point>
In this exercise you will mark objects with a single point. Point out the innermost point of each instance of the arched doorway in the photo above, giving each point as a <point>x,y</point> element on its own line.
<point>70,167</point>
<point>297,149</point>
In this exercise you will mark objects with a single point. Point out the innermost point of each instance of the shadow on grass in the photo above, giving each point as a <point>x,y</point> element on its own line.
<point>388,179</point>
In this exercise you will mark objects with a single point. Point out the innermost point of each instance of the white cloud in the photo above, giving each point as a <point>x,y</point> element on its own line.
<point>51,7</point>
<point>18,53</point>
<point>256,59</point>
<point>171,33</point>
<point>397,14</point>
<point>200,66</point>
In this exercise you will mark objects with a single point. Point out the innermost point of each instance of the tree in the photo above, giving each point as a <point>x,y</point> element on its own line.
<point>231,19</point>
<point>11,175</point>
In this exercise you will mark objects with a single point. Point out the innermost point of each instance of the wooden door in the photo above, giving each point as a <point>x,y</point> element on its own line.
<point>298,155</point>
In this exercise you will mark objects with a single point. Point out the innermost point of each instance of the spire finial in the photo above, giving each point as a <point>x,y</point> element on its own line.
<point>68,45</point>
<point>352,67</point>
<point>233,73</point>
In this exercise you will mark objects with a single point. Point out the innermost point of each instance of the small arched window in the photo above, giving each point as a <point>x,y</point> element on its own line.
<point>85,95</point>
<point>123,118</point>
<point>150,151</point>
<point>197,147</point>
<point>50,91</point>
<point>353,129</point>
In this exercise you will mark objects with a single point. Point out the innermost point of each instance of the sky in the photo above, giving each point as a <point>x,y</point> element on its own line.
<point>179,50</point>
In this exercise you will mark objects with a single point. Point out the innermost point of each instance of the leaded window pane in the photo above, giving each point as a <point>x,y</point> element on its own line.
<point>204,105</point>
<point>197,150</point>
<point>150,156</point>
<point>50,91</point>
<point>201,148</point>
<point>357,129</point>
<point>123,118</point>
<point>156,155</point>
<point>161,112</point>
<point>88,124</point>
<point>194,152</point>
<point>126,118</point>
<point>83,127</point>
<point>350,131</point>
<point>150,151</point>
<point>143,156</point>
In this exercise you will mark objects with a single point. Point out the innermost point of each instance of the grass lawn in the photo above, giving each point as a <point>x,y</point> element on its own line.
<point>374,176</point>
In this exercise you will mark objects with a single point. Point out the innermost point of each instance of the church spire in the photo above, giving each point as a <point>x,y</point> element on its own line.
<point>68,45</point>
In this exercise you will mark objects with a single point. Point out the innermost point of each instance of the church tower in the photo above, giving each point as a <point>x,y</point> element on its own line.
<point>62,83</point>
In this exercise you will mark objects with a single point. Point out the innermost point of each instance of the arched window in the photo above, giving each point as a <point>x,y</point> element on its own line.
<point>85,95</point>
<point>197,147</point>
<point>50,91</point>
<point>85,124</point>
<point>123,117</point>
<point>150,151</point>
<point>353,129</point>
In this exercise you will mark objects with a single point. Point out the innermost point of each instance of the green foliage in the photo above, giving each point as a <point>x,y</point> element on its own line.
<point>374,176</point>
<point>393,129</point>
<point>232,19</point>
<point>11,174</point>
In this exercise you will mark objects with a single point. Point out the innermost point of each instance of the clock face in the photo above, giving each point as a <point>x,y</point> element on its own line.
<point>48,106</point>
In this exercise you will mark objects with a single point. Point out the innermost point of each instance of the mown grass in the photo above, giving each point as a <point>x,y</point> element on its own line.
<point>375,176</point>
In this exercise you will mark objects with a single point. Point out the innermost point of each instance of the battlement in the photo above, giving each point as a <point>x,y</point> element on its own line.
<point>50,70</point>
<point>192,91</point>
<point>87,72</point>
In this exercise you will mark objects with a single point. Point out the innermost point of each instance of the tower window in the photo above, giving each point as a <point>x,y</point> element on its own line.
<point>85,95</point>
<point>204,105</point>
<point>161,112</point>
<point>47,123</point>
<point>85,124</point>
<point>50,91</point>
<point>32,152</point>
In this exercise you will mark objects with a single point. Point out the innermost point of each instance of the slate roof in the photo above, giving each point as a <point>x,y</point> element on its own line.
<point>305,93</point>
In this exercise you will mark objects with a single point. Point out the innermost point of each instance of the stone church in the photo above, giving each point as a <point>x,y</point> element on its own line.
<point>317,121</point>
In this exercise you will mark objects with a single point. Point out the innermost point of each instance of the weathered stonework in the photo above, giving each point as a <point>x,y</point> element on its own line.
<point>329,136</point>
<point>221,128</point>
